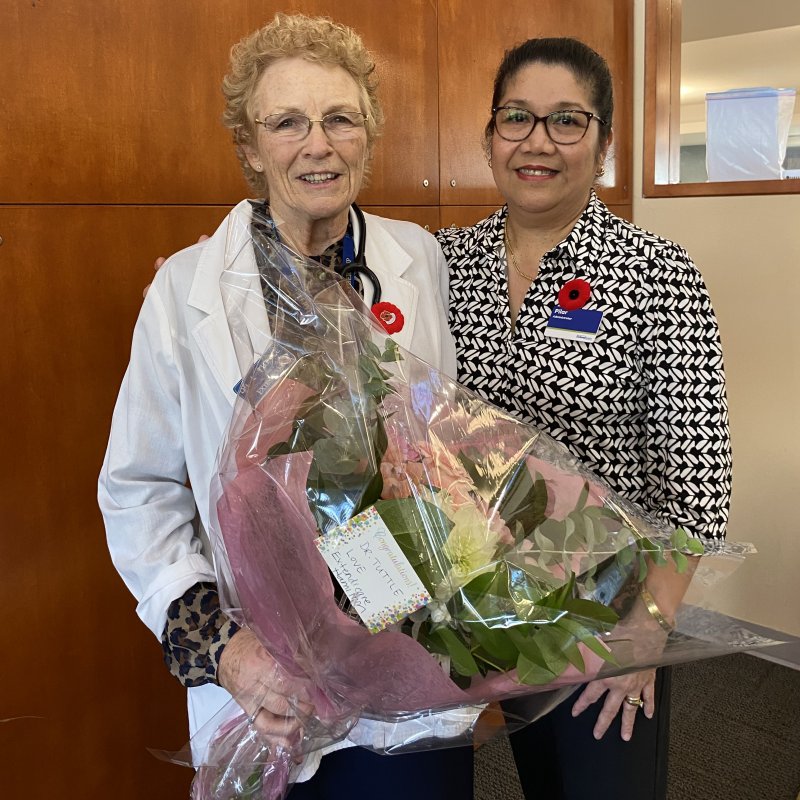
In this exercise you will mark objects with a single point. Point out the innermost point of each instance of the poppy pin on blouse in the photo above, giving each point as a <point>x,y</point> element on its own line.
<point>390,316</point>
<point>574,294</point>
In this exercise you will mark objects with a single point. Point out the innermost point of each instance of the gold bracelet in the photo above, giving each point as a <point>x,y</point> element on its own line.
<point>654,610</point>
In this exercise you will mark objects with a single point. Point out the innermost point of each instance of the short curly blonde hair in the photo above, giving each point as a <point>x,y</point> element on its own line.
<point>316,39</point>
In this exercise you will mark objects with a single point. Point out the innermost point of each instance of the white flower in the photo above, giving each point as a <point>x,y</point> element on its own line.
<point>439,612</point>
<point>470,549</point>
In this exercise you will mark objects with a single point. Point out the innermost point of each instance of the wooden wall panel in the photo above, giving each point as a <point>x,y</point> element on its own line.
<point>426,216</point>
<point>84,678</point>
<point>466,75</point>
<point>111,153</point>
<point>120,102</point>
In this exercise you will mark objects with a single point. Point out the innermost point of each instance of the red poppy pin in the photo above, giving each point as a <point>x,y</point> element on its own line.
<point>390,316</point>
<point>574,294</point>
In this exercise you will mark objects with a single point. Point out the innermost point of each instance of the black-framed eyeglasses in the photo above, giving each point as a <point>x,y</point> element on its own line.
<point>563,127</point>
<point>292,127</point>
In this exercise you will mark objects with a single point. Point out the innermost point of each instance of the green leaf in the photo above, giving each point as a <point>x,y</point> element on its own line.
<point>625,556</point>
<point>532,674</point>
<point>331,460</point>
<point>681,562</point>
<point>602,616</point>
<point>371,349</point>
<point>461,658</point>
<point>495,641</point>
<point>572,637</point>
<point>679,538</point>
<point>584,496</point>
<point>642,567</point>
<point>523,500</point>
<point>372,492</point>
<point>599,650</point>
<point>695,547</point>
<point>391,352</point>
<point>368,366</point>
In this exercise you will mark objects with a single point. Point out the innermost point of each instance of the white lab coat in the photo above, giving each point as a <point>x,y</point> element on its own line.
<point>176,401</point>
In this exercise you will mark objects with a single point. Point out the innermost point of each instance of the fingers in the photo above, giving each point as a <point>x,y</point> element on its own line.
<point>279,731</point>
<point>649,697</point>
<point>591,694</point>
<point>276,703</point>
<point>159,262</point>
<point>635,685</point>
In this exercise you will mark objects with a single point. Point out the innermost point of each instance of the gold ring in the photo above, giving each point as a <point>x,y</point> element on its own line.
<point>634,701</point>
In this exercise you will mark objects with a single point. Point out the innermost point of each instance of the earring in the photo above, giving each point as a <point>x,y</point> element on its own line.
<point>601,171</point>
<point>490,163</point>
<point>259,167</point>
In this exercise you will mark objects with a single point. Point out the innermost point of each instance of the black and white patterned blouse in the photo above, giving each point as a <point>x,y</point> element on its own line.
<point>644,404</point>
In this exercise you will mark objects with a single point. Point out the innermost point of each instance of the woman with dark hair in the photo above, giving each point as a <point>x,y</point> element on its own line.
<point>602,335</point>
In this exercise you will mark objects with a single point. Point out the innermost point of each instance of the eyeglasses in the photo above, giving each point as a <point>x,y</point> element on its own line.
<point>563,127</point>
<point>295,127</point>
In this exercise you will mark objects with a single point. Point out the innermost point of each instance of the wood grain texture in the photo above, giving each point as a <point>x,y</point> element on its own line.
<point>472,40</point>
<point>121,103</point>
<point>84,677</point>
<point>112,153</point>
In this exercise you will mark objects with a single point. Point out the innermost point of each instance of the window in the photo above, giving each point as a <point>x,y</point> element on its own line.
<point>694,47</point>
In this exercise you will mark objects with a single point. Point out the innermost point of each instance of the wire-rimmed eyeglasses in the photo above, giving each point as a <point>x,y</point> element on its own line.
<point>292,127</point>
<point>563,127</point>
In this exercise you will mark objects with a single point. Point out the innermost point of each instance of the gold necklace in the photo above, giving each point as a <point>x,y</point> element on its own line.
<point>510,251</point>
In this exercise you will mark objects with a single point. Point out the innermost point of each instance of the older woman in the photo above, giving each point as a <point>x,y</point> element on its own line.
<point>628,374</point>
<point>302,106</point>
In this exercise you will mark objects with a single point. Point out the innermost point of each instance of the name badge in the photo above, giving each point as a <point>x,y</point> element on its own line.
<point>580,325</point>
<point>372,570</point>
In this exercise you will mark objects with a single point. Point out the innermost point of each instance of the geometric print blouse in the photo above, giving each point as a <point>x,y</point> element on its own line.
<point>643,405</point>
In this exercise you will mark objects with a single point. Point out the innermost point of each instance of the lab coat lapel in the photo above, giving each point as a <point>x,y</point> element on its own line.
<point>389,261</point>
<point>229,339</point>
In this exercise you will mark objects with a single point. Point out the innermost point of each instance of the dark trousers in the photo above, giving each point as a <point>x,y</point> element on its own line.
<point>355,773</point>
<point>558,758</point>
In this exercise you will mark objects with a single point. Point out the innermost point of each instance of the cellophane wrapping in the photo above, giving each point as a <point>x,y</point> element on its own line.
<point>531,565</point>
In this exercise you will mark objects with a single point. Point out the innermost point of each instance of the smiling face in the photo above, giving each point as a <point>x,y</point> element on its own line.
<point>535,176</point>
<point>316,179</point>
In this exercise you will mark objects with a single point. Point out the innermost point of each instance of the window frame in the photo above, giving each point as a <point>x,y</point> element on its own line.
<point>662,84</point>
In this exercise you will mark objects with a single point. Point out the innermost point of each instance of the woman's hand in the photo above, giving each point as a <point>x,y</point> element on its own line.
<point>271,698</point>
<point>634,684</point>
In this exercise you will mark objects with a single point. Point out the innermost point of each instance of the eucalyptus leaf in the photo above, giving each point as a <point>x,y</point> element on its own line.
<point>371,349</point>
<point>331,460</point>
<point>679,538</point>
<point>681,562</point>
<point>391,352</point>
<point>695,547</point>
<point>583,497</point>
<point>642,567</point>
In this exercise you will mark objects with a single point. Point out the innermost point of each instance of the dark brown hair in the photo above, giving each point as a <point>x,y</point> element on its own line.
<point>589,68</point>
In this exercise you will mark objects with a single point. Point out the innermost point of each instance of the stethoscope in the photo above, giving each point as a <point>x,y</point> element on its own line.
<point>354,263</point>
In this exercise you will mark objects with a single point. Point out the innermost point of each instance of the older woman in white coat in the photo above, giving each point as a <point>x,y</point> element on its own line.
<point>302,106</point>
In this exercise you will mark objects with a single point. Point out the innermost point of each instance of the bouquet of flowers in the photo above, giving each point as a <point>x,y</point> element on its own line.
<point>407,550</point>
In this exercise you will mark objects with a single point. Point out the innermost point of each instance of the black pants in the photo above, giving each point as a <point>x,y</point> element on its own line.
<point>558,758</point>
<point>355,773</point>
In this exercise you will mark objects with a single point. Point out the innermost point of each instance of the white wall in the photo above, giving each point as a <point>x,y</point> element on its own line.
<point>748,249</point>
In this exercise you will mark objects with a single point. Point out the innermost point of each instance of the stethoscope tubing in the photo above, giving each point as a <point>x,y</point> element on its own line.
<point>358,266</point>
